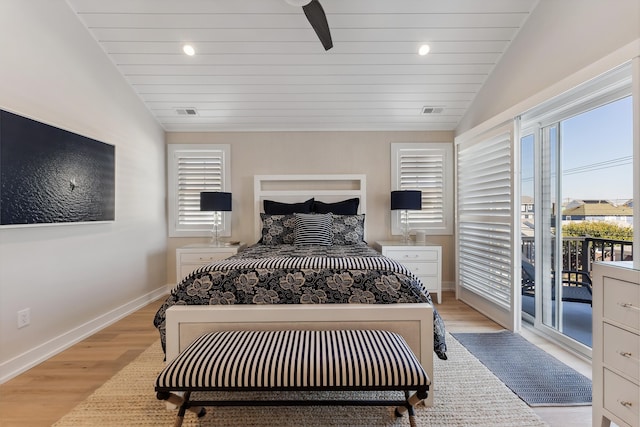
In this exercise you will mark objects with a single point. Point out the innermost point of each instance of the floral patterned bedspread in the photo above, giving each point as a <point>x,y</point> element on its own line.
<point>288,274</point>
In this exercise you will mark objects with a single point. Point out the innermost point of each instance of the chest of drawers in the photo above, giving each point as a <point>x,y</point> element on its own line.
<point>616,344</point>
<point>424,260</point>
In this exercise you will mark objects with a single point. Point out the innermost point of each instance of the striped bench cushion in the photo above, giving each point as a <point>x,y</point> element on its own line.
<point>295,360</point>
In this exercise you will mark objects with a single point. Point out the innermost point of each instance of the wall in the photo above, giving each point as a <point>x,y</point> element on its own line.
<point>76,278</point>
<point>560,38</point>
<point>562,45</point>
<point>261,153</point>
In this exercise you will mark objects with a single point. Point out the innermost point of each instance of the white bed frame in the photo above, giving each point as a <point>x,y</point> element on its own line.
<point>413,321</point>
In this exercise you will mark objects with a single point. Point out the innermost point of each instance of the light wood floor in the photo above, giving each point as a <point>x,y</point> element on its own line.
<point>42,395</point>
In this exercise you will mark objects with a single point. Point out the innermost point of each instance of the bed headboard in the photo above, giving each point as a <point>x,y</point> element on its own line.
<point>298,188</point>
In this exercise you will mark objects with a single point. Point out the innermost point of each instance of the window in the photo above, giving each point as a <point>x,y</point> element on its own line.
<point>427,167</point>
<point>193,168</point>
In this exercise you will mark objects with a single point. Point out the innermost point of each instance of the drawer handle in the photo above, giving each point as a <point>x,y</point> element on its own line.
<point>628,355</point>
<point>628,305</point>
<point>411,256</point>
<point>625,403</point>
<point>206,259</point>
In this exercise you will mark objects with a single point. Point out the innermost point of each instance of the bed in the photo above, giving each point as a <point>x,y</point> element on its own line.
<point>310,269</point>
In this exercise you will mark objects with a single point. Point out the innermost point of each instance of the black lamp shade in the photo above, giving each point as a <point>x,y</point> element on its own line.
<point>215,201</point>
<point>406,200</point>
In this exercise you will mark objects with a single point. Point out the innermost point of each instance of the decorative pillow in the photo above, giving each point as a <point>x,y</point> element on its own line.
<point>279,208</point>
<point>345,207</point>
<point>348,229</point>
<point>278,229</point>
<point>313,229</point>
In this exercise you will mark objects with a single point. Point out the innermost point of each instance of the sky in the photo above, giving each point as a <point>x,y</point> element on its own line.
<point>597,153</point>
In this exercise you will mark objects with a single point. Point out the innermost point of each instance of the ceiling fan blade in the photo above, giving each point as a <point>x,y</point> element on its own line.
<point>318,20</point>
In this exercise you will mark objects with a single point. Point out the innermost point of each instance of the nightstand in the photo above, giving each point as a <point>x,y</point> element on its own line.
<point>190,257</point>
<point>423,259</point>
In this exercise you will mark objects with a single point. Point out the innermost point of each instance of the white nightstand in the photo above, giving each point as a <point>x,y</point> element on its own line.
<point>423,259</point>
<point>190,257</point>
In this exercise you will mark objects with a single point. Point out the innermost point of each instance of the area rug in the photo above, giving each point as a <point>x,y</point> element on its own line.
<point>466,394</point>
<point>530,372</point>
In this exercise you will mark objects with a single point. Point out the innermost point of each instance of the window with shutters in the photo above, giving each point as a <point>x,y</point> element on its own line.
<point>194,168</point>
<point>485,226</point>
<point>427,167</point>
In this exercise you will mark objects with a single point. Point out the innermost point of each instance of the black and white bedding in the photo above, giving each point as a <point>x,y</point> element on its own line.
<point>303,274</point>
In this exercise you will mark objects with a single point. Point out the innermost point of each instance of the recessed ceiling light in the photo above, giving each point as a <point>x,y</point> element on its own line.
<point>189,50</point>
<point>298,2</point>
<point>424,49</point>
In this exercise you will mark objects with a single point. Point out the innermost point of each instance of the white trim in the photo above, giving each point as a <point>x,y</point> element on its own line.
<point>635,90</point>
<point>608,87</point>
<point>298,188</point>
<point>27,360</point>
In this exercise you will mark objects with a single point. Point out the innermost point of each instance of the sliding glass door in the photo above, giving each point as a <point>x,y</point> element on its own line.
<point>576,189</point>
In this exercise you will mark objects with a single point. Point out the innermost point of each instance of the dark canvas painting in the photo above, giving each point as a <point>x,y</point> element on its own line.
<point>49,175</point>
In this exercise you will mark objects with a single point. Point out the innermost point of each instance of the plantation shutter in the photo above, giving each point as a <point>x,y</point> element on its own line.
<point>427,167</point>
<point>193,169</point>
<point>485,220</point>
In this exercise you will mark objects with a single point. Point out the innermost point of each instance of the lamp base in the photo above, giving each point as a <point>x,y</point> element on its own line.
<point>405,231</point>
<point>215,241</point>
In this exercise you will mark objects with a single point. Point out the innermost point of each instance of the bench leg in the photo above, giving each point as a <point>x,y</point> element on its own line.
<point>182,404</point>
<point>412,401</point>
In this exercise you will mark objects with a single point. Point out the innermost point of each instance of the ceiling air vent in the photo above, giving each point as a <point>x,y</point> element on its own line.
<point>187,111</point>
<point>432,110</point>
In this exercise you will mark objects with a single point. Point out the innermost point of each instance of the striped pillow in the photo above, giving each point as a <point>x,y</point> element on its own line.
<point>314,229</point>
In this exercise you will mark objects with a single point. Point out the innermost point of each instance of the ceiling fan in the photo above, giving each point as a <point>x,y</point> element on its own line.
<point>317,18</point>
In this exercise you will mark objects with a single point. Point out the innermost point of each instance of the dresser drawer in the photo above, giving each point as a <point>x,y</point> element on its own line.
<point>410,255</point>
<point>422,268</point>
<point>204,257</point>
<point>622,302</point>
<point>622,350</point>
<point>621,397</point>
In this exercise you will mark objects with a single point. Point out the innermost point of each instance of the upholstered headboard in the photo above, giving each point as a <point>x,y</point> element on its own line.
<point>298,188</point>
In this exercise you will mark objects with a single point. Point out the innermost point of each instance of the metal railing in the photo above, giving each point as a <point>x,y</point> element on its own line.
<point>579,253</point>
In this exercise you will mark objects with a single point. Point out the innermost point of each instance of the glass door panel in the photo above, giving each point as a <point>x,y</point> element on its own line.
<point>549,205</point>
<point>527,226</point>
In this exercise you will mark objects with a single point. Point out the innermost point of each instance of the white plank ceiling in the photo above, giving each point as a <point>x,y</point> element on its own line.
<point>259,65</point>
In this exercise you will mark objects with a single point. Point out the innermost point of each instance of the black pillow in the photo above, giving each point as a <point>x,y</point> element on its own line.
<point>279,208</point>
<point>345,207</point>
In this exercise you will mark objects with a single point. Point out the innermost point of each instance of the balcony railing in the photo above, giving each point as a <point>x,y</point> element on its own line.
<point>579,253</point>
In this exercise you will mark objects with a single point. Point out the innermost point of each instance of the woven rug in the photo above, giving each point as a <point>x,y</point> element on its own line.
<point>466,394</point>
<point>533,374</point>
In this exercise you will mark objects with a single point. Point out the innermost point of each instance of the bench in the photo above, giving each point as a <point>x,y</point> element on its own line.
<point>294,361</point>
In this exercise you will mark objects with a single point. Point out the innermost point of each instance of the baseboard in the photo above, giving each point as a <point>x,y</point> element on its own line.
<point>39,354</point>
<point>448,286</point>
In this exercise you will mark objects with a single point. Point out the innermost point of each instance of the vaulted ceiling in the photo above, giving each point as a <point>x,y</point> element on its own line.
<point>258,64</point>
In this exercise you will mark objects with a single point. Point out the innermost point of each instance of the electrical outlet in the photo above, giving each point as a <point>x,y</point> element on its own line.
<point>24,317</point>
